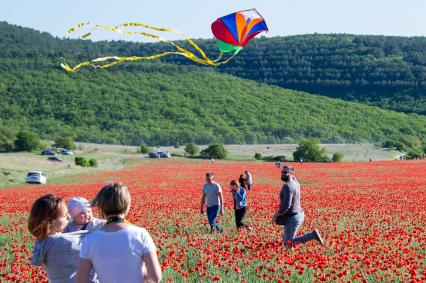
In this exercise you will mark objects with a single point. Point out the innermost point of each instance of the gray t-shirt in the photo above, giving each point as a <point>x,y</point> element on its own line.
<point>59,254</point>
<point>212,193</point>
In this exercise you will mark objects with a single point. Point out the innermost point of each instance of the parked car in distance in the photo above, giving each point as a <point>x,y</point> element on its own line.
<point>66,152</point>
<point>48,152</point>
<point>55,159</point>
<point>153,155</point>
<point>37,177</point>
<point>163,154</point>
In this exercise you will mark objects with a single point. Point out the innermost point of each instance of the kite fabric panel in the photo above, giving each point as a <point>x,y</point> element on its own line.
<point>235,30</point>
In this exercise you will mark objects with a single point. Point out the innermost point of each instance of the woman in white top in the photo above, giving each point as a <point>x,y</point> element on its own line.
<point>119,252</point>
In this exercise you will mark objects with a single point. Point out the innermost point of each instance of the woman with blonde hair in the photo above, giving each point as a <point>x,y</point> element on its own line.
<point>119,251</point>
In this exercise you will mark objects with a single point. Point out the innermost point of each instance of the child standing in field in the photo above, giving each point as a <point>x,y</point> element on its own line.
<point>119,251</point>
<point>82,216</point>
<point>58,252</point>
<point>240,203</point>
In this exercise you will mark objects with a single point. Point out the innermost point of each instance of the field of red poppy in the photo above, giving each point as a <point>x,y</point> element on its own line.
<point>372,216</point>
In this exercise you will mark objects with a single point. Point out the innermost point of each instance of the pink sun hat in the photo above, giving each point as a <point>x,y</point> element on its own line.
<point>77,205</point>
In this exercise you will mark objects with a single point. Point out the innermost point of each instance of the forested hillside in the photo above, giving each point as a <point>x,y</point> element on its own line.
<point>386,71</point>
<point>389,72</point>
<point>176,105</point>
<point>159,103</point>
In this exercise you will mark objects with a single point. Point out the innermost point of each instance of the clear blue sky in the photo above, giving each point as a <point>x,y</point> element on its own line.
<point>284,17</point>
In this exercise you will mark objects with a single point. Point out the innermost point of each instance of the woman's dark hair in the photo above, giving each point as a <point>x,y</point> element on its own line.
<point>234,183</point>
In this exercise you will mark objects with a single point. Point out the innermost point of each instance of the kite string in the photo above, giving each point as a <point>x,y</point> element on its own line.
<point>261,63</point>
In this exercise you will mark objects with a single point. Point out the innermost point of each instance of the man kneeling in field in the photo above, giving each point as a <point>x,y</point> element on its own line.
<point>290,213</point>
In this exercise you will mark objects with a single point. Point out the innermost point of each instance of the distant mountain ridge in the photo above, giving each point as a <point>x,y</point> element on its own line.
<point>167,104</point>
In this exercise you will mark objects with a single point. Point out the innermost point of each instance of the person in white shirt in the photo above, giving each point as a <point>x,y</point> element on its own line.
<point>119,251</point>
<point>249,180</point>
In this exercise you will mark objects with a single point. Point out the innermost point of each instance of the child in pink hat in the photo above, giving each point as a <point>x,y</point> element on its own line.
<point>82,216</point>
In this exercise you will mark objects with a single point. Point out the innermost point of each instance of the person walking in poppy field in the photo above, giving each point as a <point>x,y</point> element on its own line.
<point>240,203</point>
<point>249,180</point>
<point>213,198</point>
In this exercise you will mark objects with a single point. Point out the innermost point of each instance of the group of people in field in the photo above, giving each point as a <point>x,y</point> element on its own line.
<point>87,249</point>
<point>212,197</point>
<point>74,246</point>
<point>290,213</point>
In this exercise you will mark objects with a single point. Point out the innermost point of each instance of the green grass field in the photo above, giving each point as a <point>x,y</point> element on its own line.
<point>352,152</point>
<point>14,166</point>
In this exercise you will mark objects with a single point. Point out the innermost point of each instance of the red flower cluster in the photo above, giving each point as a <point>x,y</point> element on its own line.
<point>372,216</point>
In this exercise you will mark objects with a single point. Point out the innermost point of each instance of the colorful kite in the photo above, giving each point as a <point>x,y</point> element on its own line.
<point>233,32</point>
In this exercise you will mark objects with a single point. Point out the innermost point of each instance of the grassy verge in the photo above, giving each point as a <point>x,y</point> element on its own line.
<point>14,166</point>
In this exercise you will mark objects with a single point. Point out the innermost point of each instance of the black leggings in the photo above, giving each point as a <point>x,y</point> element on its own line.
<point>239,216</point>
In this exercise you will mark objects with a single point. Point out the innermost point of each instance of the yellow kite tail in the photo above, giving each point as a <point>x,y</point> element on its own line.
<point>205,60</point>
